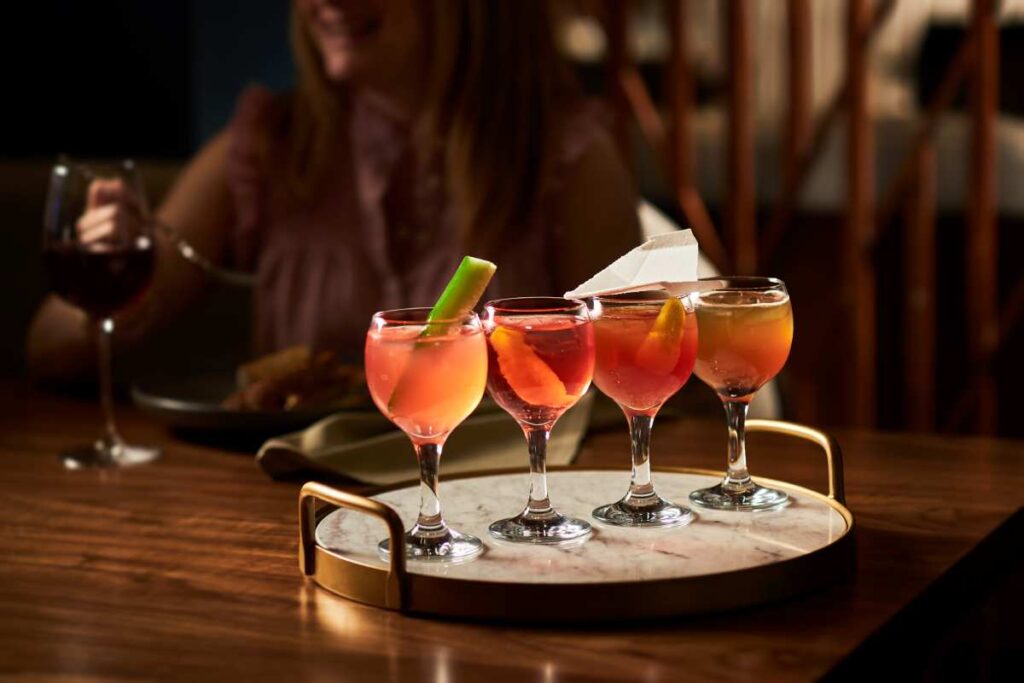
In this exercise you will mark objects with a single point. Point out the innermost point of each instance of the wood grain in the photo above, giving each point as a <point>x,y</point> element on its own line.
<point>187,568</point>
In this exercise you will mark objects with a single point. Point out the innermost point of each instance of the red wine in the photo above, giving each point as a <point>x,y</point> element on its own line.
<point>100,281</point>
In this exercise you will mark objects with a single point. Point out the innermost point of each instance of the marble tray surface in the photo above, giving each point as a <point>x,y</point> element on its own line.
<point>715,542</point>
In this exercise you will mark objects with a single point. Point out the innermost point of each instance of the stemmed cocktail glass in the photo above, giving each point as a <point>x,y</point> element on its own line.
<point>541,362</point>
<point>746,329</point>
<point>427,378</point>
<point>646,346</point>
<point>99,249</point>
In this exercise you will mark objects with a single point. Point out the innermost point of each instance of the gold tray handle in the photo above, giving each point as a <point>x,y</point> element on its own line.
<point>833,454</point>
<point>314,491</point>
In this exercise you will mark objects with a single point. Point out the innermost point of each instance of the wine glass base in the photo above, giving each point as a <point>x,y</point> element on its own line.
<point>108,454</point>
<point>757,497</point>
<point>548,529</point>
<point>449,546</point>
<point>658,513</point>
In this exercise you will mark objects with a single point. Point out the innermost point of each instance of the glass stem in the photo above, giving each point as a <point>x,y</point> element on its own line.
<point>640,486</point>
<point>429,457</point>
<point>737,478</point>
<point>104,332</point>
<point>537,440</point>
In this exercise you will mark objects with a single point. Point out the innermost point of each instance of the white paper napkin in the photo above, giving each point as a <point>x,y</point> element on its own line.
<point>667,262</point>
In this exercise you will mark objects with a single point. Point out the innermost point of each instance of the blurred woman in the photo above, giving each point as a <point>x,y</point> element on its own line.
<point>417,132</point>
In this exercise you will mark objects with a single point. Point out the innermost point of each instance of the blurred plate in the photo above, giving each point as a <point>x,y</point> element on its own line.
<point>192,402</point>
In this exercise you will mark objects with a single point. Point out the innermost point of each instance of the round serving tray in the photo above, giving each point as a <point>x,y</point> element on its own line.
<point>724,560</point>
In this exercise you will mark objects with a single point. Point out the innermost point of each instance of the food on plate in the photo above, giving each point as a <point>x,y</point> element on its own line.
<point>297,378</point>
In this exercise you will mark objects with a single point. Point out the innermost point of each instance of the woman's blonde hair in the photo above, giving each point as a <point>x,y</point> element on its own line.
<point>494,87</point>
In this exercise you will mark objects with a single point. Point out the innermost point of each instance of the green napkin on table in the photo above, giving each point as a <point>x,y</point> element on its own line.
<point>374,452</point>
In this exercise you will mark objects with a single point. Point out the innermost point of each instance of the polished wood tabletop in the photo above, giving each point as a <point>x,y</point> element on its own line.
<point>187,568</point>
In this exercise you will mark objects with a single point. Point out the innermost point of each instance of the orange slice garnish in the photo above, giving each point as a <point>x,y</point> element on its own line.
<point>659,352</point>
<point>527,374</point>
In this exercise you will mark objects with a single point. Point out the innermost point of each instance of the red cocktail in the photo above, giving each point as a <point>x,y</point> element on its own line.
<point>541,362</point>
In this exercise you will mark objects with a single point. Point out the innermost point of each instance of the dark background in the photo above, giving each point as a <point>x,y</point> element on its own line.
<point>153,80</point>
<point>123,77</point>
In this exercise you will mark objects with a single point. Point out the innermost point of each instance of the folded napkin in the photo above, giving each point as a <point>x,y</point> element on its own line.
<point>667,262</point>
<point>373,452</point>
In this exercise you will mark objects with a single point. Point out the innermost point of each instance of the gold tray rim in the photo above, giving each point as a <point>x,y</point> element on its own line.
<point>394,588</point>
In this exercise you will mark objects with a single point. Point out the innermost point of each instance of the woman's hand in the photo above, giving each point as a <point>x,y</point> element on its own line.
<point>60,345</point>
<point>114,214</point>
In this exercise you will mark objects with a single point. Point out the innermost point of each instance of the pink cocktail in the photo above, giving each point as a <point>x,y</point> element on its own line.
<point>427,379</point>
<point>646,349</point>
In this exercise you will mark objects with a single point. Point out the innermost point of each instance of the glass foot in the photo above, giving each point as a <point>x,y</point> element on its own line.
<point>755,497</point>
<point>447,546</point>
<point>550,528</point>
<point>656,512</point>
<point>108,454</point>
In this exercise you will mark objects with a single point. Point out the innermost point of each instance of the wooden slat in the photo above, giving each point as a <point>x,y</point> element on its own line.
<point>644,109</point>
<point>740,207</point>
<point>680,92</point>
<point>653,130</point>
<point>858,278</point>
<point>940,101</point>
<point>782,215</point>
<point>919,295</point>
<point>1012,312</point>
<point>799,68</point>
<point>982,258</point>
<point>617,30</point>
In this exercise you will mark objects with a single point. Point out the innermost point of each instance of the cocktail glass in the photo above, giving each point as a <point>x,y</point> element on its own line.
<point>646,346</point>
<point>427,378</point>
<point>541,352</point>
<point>746,329</point>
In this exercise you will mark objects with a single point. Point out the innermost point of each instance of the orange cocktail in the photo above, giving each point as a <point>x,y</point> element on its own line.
<point>746,330</point>
<point>426,386</point>
<point>745,340</point>
<point>427,378</point>
<point>646,346</point>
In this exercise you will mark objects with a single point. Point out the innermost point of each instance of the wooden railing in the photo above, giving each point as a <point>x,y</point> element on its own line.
<point>747,249</point>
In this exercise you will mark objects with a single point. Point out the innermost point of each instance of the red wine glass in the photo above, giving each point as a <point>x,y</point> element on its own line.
<point>99,250</point>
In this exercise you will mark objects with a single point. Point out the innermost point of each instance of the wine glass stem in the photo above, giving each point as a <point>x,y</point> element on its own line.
<point>104,332</point>
<point>537,440</point>
<point>640,485</point>
<point>737,476</point>
<point>429,457</point>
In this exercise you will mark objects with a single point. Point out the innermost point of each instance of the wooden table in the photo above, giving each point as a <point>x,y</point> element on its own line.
<point>187,568</point>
